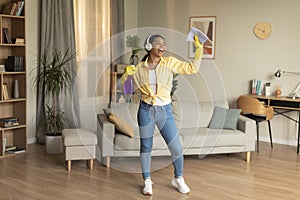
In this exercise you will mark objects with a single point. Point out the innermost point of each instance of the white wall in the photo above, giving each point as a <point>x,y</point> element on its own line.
<point>240,56</point>
<point>32,41</point>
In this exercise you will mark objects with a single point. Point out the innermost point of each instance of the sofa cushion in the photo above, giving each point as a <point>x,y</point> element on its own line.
<point>79,137</point>
<point>194,114</point>
<point>206,138</point>
<point>121,125</point>
<point>224,118</point>
<point>125,111</point>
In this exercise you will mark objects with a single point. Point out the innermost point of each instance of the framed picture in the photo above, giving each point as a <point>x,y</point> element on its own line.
<point>208,26</point>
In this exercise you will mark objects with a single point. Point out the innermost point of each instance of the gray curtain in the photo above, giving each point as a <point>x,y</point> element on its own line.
<point>57,33</point>
<point>117,16</point>
<point>117,26</point>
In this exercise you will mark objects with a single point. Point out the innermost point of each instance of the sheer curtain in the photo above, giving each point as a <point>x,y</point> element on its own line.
<point>92,28</point>
<point>57,32</point>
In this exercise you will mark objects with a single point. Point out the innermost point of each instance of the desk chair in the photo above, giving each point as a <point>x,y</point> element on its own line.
<point>254,109</point>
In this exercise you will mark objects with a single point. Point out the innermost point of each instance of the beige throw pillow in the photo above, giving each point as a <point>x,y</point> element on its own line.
<point>121,125</point>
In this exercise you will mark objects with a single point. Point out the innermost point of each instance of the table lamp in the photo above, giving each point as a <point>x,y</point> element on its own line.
<point>293,94</point>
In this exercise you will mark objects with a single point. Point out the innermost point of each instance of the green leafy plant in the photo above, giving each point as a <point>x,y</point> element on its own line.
<point>133,42</point>
<point>268,84</point>
<point>174,84</point>
<point>53,79</point>
<point>52,118</point>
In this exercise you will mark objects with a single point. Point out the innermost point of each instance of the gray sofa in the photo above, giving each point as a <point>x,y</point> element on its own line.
<point>193,122</point>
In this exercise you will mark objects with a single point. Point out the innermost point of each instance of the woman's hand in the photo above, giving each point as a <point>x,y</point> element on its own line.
<point>130,70</point>
<point>197,42</point>
<point>199,48</point>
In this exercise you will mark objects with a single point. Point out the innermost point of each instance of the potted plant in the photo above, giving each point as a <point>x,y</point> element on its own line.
<point>174,84</point>
<point>133,42</point>
<point>53,79</point>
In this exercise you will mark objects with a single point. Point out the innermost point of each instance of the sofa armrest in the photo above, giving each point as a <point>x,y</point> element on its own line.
<point>248,126</point>
<point>106,134</point>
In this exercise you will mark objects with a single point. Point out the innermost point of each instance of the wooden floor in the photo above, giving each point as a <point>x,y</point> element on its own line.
<point>271,174</point>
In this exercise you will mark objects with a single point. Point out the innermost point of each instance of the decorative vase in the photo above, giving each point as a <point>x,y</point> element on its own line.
<point>122,99</point>
<point>278,93</point>
<point>134,59</point>
<point>16,89</point>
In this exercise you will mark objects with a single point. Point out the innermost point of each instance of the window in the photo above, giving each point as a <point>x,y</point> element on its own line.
<point>92,28</point>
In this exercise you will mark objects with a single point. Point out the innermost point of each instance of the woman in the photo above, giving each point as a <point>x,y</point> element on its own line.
<point>153,77</point>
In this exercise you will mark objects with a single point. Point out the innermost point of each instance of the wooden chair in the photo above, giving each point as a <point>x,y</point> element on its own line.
<point>254,109</point>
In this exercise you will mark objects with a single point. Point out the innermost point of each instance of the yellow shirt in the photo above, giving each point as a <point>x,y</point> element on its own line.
<point>164,73</point>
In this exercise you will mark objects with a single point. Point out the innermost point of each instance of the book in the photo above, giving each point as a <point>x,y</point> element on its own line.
<point>13,9</point>
<point>201,36</point>
<point>16,150</point>
<point>8,122</point>
<point>4,144</point>
<point>259,87</point>
<point>14,64</point>
<point>9,8</point>
<point>253,87</point>
<point>9,119</point>
<point>20,8</point>
<point>6,36</point>
<point>5,91</point>
<point>8,148</point>
<point>18,41</point>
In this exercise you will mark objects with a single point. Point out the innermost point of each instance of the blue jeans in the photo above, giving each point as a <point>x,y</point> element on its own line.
<point>162,116</point>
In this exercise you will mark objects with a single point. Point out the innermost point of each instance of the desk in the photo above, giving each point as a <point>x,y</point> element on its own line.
<point>284,103</point>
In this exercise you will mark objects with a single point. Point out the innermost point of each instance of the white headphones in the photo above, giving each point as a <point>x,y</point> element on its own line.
<point>148,45</point>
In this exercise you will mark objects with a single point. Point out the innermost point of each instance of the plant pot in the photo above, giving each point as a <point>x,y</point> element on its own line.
<point>54,144</point>
<point>267,90</point>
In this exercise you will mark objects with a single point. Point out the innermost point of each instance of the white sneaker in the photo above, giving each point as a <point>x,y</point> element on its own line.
<point>180,185</point>
<point>148,187</point>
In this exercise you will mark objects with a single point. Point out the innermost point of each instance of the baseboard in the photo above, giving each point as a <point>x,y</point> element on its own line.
<point>31,140</point>
<point>279,141</point>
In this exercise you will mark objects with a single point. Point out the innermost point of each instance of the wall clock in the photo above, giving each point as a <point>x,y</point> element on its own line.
<point>262,30</point>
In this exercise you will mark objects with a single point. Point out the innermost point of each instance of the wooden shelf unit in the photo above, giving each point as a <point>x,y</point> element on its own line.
<point>116,90</point>
<point>13,107</point>
<point>116,87</point>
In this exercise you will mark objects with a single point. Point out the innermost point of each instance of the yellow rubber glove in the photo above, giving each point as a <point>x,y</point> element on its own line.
<point>199,48</point>
<point>130,70</point>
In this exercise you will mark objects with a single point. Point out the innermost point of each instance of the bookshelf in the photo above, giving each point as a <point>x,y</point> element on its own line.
<point>12,104</point>
<point>116,86</point>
